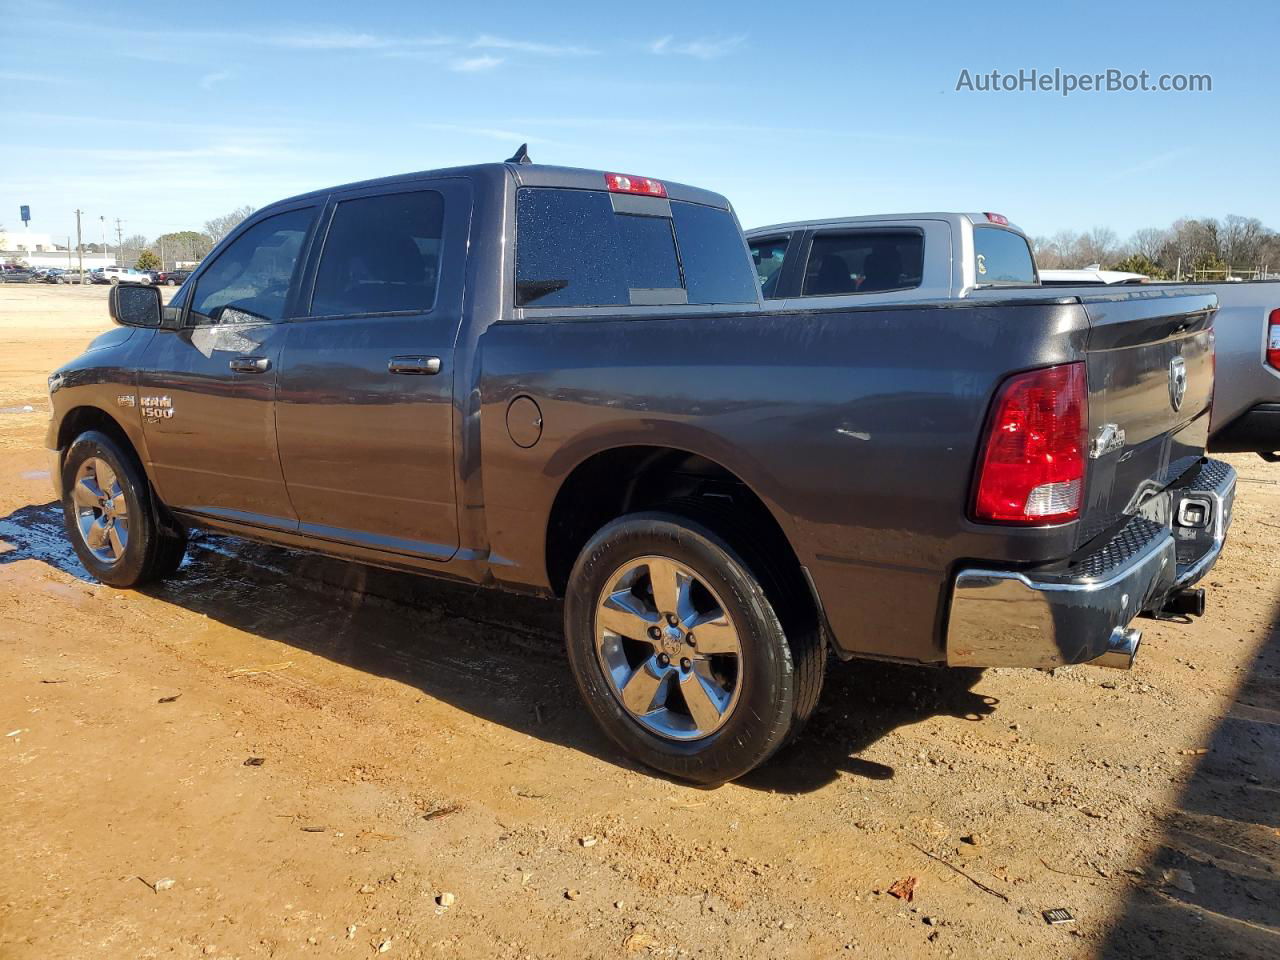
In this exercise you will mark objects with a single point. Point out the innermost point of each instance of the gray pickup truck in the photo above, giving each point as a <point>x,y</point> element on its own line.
<point>566,382</point>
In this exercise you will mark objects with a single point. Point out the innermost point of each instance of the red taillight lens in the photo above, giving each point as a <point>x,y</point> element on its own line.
<point>1032,469</point>
<point>621,183</point>
<point>999,218</point>
<point>1273,339</point>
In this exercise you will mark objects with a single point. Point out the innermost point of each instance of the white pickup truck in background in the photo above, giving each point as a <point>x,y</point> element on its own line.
<point>912,257</point>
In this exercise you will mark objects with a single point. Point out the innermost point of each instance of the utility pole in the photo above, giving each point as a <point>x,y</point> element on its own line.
<point>80,246</point>
<point>162,266</point>
<point>102,222</point>
<point>119,243</point>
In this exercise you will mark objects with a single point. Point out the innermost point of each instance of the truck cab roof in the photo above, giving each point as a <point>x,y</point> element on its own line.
<point>983,219</point>
<point>523,175</point>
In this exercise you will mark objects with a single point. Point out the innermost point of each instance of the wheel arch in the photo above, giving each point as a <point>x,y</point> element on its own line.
<point>86,417</point>
<point>623,479</point>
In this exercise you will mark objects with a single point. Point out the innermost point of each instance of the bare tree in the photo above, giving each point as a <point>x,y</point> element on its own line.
<point>1148,242</point>
<point>1100,245</point>
<point>1240,239</point>
<point>219,227</point>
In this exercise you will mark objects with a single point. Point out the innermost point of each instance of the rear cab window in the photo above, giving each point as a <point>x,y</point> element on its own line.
<point>591,248</point>
<point>1002,258</point>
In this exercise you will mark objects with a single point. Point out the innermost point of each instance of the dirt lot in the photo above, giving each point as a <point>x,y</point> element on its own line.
<point>275,755</point>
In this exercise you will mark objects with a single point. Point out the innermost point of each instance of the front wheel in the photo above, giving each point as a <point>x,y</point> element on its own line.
<point>111,516</point>
<point>677,650</point>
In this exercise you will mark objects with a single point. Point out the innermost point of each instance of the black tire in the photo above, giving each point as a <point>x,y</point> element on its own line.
<point>765,711</point>
<point>155,545</point>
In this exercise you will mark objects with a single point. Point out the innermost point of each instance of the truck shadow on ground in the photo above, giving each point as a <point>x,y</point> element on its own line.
<point>1212,885</point>
<point>496,655</point>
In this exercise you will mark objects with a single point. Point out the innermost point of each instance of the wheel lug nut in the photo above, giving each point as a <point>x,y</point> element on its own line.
<point>686,663</point>
<point>690,640</point>
<point>671,619</point>
<point>663,659</point>
<point>655,633</point>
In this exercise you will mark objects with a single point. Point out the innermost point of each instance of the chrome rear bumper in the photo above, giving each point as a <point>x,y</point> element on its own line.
<point>1080,612</point>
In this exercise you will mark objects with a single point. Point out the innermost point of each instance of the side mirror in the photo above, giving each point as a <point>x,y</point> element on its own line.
<point>135,305</point>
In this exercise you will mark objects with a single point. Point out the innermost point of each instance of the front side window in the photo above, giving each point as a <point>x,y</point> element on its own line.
<point>767,255</point>
<point>1003,258</point>
<point>249,282</point>
<point>864,261</point>
<point>382,255</point>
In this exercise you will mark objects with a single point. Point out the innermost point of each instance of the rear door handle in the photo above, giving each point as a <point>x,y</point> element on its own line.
<point>415,366</point>
<point>250,364</point>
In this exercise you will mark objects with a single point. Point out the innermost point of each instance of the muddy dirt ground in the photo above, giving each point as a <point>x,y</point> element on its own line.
<point>274,755</point>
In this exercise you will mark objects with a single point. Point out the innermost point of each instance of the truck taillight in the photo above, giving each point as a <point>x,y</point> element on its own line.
<point>999,218</point>
<point>621,183</point>
<point>1032,466</point>
<point>1273,339</point>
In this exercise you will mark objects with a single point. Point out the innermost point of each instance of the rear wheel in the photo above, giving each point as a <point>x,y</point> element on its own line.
<point>677,650</point>
<point>111,516</point>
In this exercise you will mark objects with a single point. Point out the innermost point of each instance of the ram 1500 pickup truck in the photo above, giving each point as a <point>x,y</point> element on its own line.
<point>566,382</point>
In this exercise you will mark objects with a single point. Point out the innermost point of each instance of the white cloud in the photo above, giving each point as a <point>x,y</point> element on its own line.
<point>704,48</point>
<point>211,80</point>
<point>17,76</point>
<point>474,64</point>
<point>490,42</point>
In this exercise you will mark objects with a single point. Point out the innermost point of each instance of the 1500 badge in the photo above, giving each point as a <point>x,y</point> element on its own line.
<point>157,408</point>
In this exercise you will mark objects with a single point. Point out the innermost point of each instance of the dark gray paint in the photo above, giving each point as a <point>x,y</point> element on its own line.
<point>858,428</point>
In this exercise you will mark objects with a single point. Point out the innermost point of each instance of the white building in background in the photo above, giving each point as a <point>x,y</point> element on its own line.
<point>39,250</point>
<point>26,241</point>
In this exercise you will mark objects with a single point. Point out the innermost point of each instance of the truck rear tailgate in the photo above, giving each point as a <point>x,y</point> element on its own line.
<point>1150,364</point>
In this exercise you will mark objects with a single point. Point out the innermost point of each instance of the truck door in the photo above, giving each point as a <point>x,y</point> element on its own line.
<point>364,408</point>
<point>206,387</point>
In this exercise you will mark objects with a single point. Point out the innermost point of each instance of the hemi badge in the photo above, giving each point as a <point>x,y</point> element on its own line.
<point>1109,439</point>
<point>126,400</point>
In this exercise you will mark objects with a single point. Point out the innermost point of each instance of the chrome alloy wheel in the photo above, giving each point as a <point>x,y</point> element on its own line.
<point>669,648</point>
<point>101,511</point>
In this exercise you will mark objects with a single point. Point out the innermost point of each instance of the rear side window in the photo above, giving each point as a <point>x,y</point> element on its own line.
<point>1002,257</point>
<point>249,281</point>
<point>767,256</point>
<point>573,249</point>
<point>382,255</point>
<point>864,261</point>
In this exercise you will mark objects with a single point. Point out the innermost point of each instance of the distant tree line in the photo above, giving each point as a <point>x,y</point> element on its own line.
<point>183,246</point>
<point>1234,243</point>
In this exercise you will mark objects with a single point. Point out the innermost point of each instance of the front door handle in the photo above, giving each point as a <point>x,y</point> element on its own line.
<point>417,366</point>
<point>251,364</point>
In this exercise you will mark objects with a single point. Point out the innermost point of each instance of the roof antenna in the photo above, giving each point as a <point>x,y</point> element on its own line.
<point>520,156</point>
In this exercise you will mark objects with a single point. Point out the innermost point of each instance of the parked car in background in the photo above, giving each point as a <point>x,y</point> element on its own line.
<point>125,275</point>
<point>13,273</point>
<point>173,278</point>
<point>98,275</point>
<point>565,382</point>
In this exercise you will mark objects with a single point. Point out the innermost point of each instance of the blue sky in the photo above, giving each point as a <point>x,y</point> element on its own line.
<point>166,114</point>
